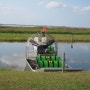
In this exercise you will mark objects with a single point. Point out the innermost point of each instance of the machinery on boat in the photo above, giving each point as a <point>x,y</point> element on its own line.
<point>42,52</point>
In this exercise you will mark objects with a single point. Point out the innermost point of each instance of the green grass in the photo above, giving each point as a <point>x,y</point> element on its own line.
<point>58,37</point>
<point>25,80</point>
<point>13,37</point>
<point>6,29</point>
<point>76,37</point>
<point>60,33</point>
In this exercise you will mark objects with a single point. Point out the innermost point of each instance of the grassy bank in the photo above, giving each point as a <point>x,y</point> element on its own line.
<point>58,37</point>
<point>60,33</point>
<point>53,30</point>
<point>14,80</point>
<point>13,37</point>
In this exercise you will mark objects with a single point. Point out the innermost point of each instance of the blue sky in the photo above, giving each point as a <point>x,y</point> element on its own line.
<point>71,13</point>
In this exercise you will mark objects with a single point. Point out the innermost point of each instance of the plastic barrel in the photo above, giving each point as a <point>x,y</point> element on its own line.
<point>47,57</point>
<point>49,47</point>
<point>52,48</point>
<point>57,58</point>
<point>60,63</point>
<point>40,63</point>
<point>43,58</point>
<point>45,63</point>
<point>50,63</point>
<point>38,58</point>
<point>53,58</point>
<point>55,64</point>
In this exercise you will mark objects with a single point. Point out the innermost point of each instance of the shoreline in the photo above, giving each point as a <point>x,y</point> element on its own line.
<point>65,41</point>
<point>61,34</point>
<point>13,37</point>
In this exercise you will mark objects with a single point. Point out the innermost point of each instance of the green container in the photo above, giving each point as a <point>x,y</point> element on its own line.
<point>53,58</point>
<point>55,64</point>
<point>50,63</point>
<point>38,58</point>
<point>57,58</point>
<point>47,57</point>
<point>49,48</point>
<point>43,58</point>
<point>40,63</point>
<point>52,48</point>
<point>60,63</point>
<point>45,63</point>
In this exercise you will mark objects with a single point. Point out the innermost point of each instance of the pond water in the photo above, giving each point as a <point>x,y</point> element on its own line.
<point>76,57</point>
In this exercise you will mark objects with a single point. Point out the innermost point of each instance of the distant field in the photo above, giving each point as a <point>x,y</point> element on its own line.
<point>57,30</point>
<point>26,80</point>
<point>60,33</point>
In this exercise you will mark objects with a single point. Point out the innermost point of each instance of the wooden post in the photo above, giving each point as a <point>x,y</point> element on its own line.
<point>63,63</point>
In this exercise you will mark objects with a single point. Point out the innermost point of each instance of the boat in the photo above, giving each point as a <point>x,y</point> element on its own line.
<point>42,53</point>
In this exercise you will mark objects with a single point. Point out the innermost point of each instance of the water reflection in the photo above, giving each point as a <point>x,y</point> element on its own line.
<point>14,54</point>
<point>78,56</point>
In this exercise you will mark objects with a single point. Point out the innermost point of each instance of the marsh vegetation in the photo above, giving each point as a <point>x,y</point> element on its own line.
<point>8,33</point>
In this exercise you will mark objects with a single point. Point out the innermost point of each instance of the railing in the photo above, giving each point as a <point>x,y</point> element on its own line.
<point>30,52</point>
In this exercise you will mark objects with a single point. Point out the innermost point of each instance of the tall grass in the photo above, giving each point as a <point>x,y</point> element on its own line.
<point>44,80</point>
<point>9,29</point>
<point>58,37</point>
<point>13,37</point>
<point>68,37</point>
<point>60,33</point>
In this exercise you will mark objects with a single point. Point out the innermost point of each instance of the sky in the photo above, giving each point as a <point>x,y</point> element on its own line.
<point>70,13</point>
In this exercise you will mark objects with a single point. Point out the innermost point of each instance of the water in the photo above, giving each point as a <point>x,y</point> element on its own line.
<point>12,54</point>
<point>77,57</point>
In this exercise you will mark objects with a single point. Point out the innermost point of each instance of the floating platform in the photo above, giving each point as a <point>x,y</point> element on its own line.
<point>60,69</point>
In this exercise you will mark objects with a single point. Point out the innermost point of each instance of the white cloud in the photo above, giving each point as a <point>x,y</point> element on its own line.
<point>85,8</point>
<point>54,4</point>
<point>75,8</point>
<point>81,9</point>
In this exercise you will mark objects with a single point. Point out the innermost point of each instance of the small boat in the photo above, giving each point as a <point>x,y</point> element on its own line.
<point>42,53</point>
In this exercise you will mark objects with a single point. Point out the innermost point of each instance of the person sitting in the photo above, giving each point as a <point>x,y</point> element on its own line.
<point>42,49</point>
